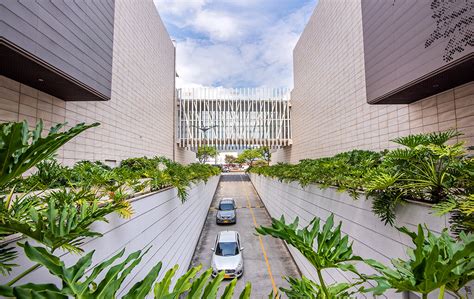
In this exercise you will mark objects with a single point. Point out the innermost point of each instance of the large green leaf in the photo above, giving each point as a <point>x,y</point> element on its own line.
<point>21,149</point>
<point>59,219</point>
<point>435,262</point>
<point>142,288</point>
<point>38,291</point>
<point>74,282</point>
<point>330,250</point>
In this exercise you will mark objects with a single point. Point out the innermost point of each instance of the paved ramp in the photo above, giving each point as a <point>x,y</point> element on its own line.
<point>266,260</point>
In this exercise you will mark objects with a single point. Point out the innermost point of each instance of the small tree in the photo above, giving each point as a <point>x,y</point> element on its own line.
<point>205,152</point>
<point>266,154</point>
<point>250,155</point>
<point>229,159</point>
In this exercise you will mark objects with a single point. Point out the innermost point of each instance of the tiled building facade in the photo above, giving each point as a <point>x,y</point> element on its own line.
<point>138,119</point>
<point>330,113</point>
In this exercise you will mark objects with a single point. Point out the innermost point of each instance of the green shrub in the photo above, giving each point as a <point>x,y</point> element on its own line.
<point>62,218</point>
<point>435,262</point>
<point>427,169</point>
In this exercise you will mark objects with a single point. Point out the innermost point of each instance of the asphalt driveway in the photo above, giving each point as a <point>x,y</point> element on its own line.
<point>266,260</point>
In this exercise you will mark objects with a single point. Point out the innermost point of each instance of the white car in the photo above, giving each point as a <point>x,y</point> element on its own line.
<point>227,255</point>
<point>226,212</point>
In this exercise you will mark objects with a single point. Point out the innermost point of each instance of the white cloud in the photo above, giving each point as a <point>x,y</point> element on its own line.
<point>219,25</point>
<point>219,45</point>
<point>179,8</point>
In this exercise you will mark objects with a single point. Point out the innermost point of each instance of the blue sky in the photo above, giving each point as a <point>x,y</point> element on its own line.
<point>235,43</point>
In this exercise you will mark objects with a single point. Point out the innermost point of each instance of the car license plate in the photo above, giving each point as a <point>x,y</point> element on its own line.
<point>227,276</point>
<point>226,221</point>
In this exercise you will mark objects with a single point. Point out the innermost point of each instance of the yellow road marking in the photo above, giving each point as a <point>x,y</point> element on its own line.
<point>269,269</point>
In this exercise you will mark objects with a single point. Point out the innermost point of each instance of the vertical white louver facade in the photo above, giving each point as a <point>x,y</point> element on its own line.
<point>231,119</point>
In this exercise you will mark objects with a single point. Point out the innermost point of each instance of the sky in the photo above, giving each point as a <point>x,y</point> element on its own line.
<point>235,43</point>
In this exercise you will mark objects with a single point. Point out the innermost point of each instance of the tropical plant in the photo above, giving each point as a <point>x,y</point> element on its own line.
<point>62,218</point>
<point>346,171</point>
<point>461,211</point>
<point>331,250</point>
<point>7,256</point>
<point>259,163</point>
<point>205,152</point>
<point>49,174</point>
<point>436,262</point>
<point>59,220</point>
<point>427,169</point>
<point>138,164</point>
<point>305,288</point>
<point>22,148</point>
<point>76,284</point>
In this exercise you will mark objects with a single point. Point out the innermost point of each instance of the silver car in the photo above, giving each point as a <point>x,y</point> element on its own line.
<point>227,211</point>
<point>227,255</point>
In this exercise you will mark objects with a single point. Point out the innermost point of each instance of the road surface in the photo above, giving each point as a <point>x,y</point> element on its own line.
<point>266,259</point>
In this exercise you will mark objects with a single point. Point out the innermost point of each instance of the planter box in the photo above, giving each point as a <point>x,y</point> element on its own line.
<point>160,220</point>
<point>371,238</point>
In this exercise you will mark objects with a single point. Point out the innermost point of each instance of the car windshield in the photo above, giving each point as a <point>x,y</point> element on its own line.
<point>226,206</point>
<point>227,249</point>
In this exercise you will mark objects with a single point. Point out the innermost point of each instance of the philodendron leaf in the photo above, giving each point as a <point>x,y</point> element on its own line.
<point>330,250</point>
<point>184,283</point>
<point>199,284</point>
<point>116,275</point>
<point>213,286</point>
<point>229,289</point>
<point>142,288</point>
<point>435,262</point>
<point>38,291</point>
<point>246,292</point>
<point>41,256</point>
<point>21,149</point>
<point>162,288</point>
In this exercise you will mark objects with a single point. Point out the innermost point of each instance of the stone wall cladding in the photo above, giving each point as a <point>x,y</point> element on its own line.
<point>330,113</point>
<point>185,156</point>
<point>138,120</point>
<point>160,220</point>
<point>371,238</point>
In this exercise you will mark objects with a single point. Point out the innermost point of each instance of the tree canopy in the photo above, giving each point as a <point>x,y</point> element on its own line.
<point>250,155</point>
<point>205,152</point>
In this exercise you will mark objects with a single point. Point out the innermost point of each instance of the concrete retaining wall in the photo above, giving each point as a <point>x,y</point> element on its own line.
<point>160,220</point>
<point>372,239</point>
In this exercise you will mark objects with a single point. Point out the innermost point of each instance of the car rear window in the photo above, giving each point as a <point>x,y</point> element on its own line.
<point>227,249</point>
<point>226,206</point>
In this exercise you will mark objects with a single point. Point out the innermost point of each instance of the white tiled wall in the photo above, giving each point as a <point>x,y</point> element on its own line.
<point>330,113</point>
<point>160,220</point>
<point>371,238</point>
<point>138,120</point>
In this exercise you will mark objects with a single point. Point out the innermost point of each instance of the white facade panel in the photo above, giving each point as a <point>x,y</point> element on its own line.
<point>233,118</point>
